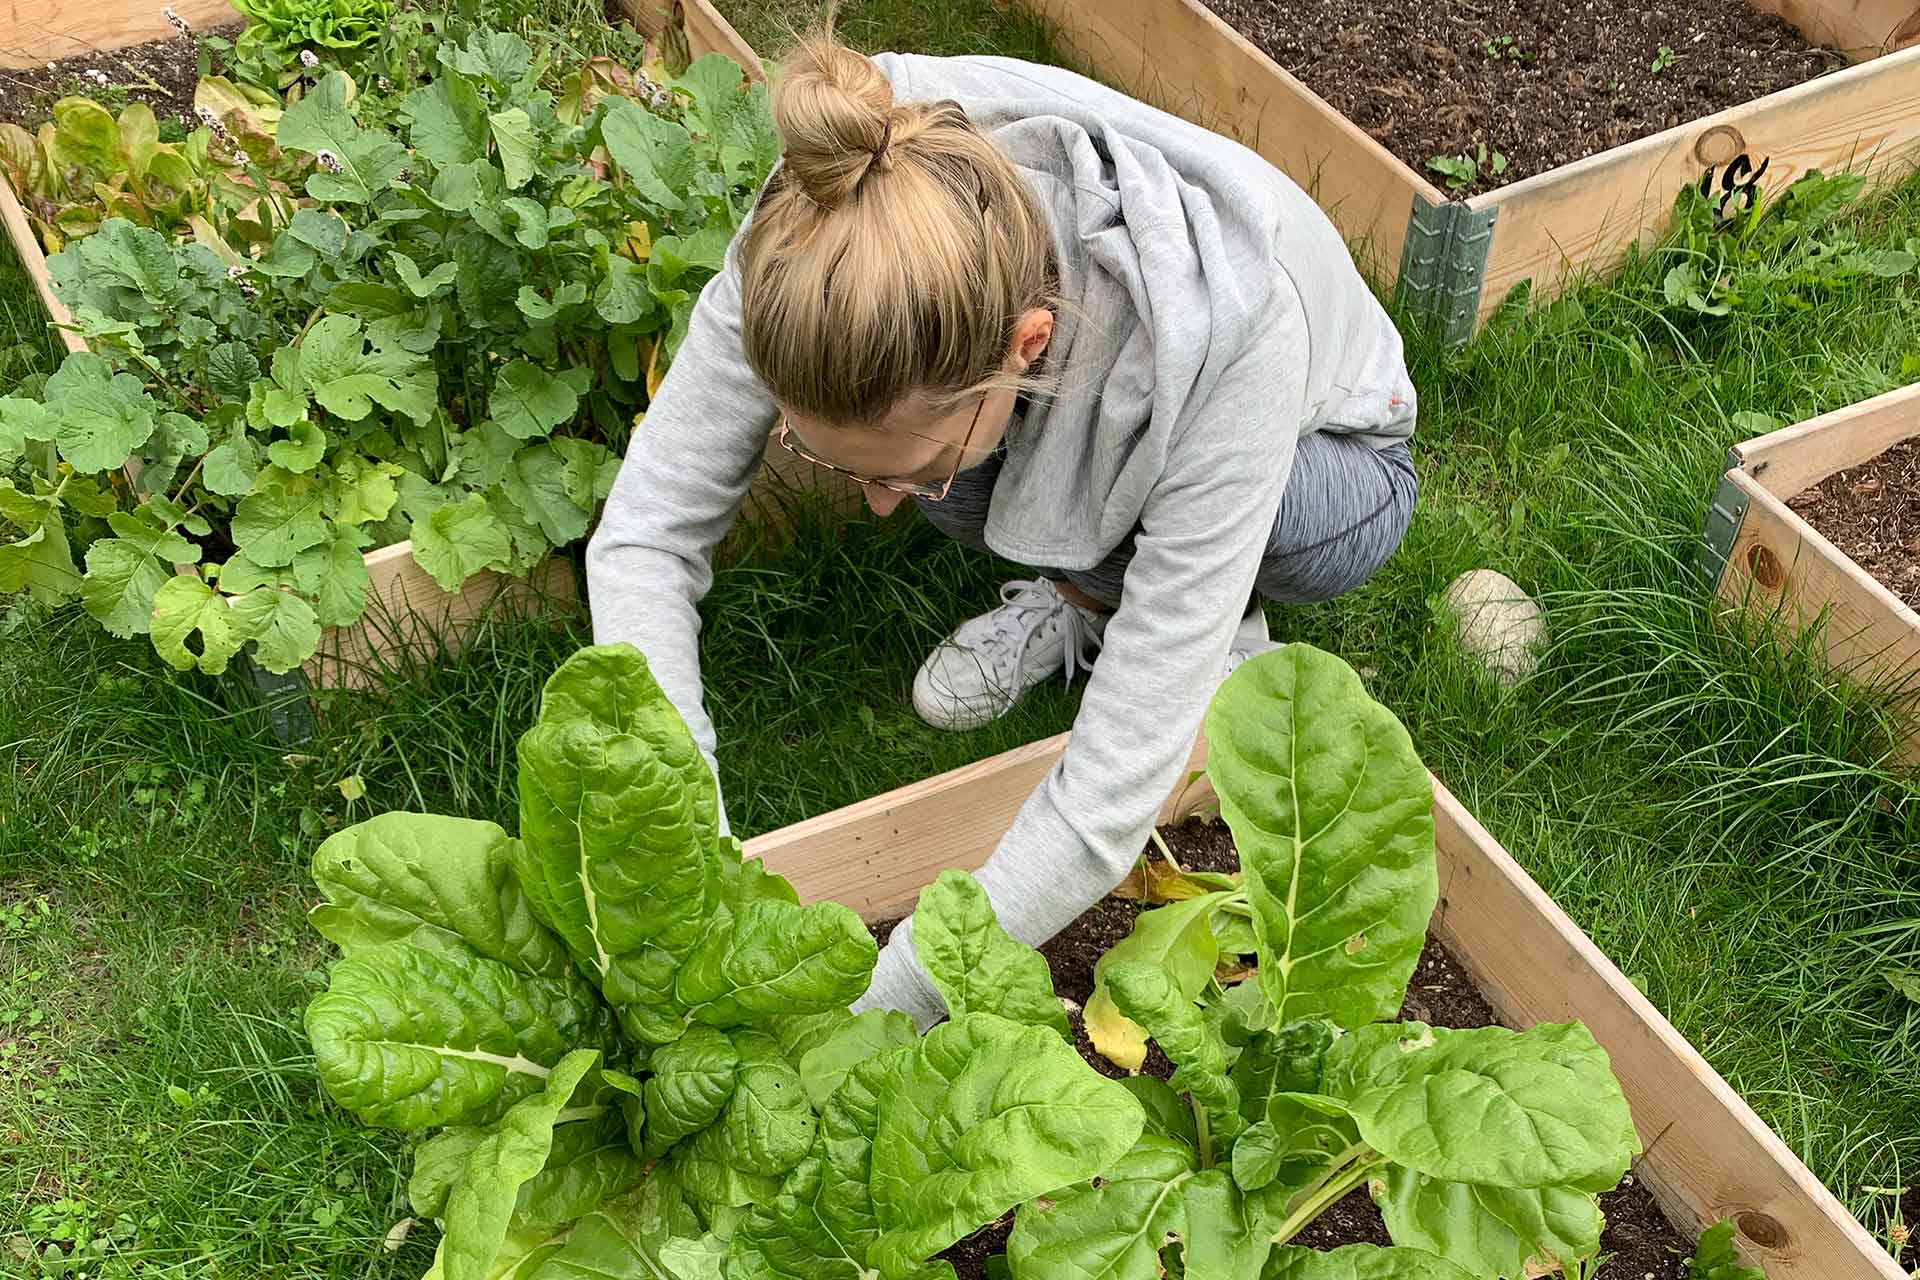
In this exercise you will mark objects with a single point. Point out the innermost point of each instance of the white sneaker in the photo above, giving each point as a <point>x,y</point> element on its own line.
<point>1251,639</point>
<point>984,668</point>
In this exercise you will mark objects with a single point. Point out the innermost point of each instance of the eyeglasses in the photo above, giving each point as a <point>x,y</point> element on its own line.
<point>931,492</point>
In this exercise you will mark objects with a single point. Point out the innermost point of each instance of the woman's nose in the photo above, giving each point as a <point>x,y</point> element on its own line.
<point>881,500</point>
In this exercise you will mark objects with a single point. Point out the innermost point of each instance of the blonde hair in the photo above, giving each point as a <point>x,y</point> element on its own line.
<point>893,252</point>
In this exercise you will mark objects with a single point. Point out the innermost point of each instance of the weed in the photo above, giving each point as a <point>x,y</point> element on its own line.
<point>1464,169</point>
<point>1662,60</point>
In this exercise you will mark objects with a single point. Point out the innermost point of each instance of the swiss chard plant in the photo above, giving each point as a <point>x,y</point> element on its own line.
<point>627,1051</point>
<point>1484,1149</point>
<point>444,342</point>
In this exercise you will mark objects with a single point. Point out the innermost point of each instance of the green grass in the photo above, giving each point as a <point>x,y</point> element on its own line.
<point>953,29</point>
<point>1705,805</point>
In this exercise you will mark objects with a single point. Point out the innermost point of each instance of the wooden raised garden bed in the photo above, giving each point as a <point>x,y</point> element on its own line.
<point>1763,555</point>
<point>406,610</point>
<point>1708,1156</point>
<point>1455,260</point>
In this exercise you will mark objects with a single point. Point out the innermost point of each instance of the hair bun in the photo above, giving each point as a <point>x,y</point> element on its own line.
<point>835,114</point>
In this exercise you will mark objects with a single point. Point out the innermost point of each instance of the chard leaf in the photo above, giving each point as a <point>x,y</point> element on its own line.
<point>1168,1115</point>
<point>528,401</point>
<point>1360,1262</point>
<point>590,1162</point>
<point>693,1079</point>
<point>1332,813</point>
<point>922,1145</point>
<point>975,964</point>
<point>480,1205</point>
<point>438,1163</point>
<point>1113,1229</point>
<point>769,1124</point>
<point>432,881</point>
<point>618,813</point>
<point>407,1038</point>
<point>458,540</point>
<point>1147,994</point>
<point>1516,1109</point>
<point>777,958</point>
<point>283,627</point>
<point>1490,1231</point>
<point>1177,938</point>
<point>864,1036</point>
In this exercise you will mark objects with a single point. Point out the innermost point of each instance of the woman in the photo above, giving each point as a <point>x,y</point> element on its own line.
<point>1074,330</point>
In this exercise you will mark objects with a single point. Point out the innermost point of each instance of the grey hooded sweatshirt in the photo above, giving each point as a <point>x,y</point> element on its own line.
<point>1213,316</point>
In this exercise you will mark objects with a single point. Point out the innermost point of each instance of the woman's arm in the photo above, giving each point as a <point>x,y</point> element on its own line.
<point>1195,557</point>
<point>688,468</point>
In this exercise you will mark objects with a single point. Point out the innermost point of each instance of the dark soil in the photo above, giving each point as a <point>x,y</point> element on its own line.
<point>1639,1242</point>
<point>1540,82</point>
<point>160,73</point>
<point>1872,513</point>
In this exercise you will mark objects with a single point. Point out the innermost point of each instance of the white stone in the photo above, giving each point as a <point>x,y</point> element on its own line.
<point>1498,623</point>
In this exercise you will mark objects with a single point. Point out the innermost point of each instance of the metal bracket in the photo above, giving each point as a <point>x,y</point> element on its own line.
<point>1725,514</point>
<point>1443,266</point>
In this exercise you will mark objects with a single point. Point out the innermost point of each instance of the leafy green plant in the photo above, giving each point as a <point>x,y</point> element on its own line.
<point>85,166</point>
<point>1662,60</point>
<point>1484,1149</point>
<point>1715,1258</point>
<point>444,343</point>
<point>635,1046</point>
<point>285,38</point>
<point>1464,169</point>
<point>1775,255</point>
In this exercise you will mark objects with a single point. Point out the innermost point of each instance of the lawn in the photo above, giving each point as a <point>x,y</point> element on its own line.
<point>1706,807</point>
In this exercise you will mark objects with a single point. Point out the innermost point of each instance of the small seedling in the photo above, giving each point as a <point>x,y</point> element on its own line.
<point>1507,47</point>
<point>1465,169</point>
<point>1662,60</point>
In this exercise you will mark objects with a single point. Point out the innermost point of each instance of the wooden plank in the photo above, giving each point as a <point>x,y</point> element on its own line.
<point>1782,568</point>
<point>1708,1155</point>
<point>1860,29</point>
<point>33,32</point>
<point>1179,56</point>
<point>407,612</point>
<point>1793,459</point>
<point>1583,218</point>
<point>26,247</point>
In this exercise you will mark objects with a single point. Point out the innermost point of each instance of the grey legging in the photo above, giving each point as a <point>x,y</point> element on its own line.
<point>1346,507</point>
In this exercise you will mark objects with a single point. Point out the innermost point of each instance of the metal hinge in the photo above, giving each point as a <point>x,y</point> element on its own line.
<point>1443,266</point>
<point>1725,514</point>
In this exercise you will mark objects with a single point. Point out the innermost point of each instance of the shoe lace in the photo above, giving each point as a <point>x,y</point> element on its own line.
<point>1025,607</point>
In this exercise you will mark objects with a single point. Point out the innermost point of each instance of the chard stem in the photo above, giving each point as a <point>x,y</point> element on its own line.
<point>1331,1189</point>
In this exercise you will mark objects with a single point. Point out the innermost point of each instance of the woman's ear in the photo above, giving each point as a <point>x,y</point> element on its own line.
<point>1031,334</point>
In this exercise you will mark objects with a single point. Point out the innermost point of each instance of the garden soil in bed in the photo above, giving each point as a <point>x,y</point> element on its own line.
<point>1639,1242</point>
<point>160,73</point>
<point>1872,512</point>
<point>1542,82</point>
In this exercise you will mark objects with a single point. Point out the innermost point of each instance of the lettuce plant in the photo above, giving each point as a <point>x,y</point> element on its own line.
<point>633,1050</point>
<point>444,342</point>
<point>268,51</point>
<point>1484,1149</point>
